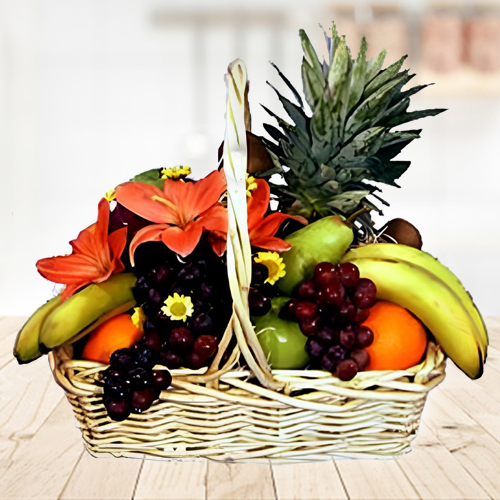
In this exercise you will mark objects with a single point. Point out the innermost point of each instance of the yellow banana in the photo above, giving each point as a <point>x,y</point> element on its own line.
<point>26,348</point>
<point>432,301</point>
<point>427,261</point>
<point>84,308</point>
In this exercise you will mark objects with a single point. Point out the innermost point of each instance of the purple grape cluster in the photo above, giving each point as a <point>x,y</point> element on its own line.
<point>330,308</point>
<point>130,383</point>
<point>203,277</point>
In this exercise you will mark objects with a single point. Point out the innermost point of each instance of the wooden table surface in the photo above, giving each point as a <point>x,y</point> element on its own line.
<point>456,454</point>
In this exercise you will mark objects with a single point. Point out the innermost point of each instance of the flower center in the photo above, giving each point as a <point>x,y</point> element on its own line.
<point>274,264</point>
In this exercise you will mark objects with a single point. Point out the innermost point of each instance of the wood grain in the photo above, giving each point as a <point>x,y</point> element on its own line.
<point>238,481</point>
<point>308,481</point>
<point>172,480</point>
<point>103,478</point>
<point>455,455</point>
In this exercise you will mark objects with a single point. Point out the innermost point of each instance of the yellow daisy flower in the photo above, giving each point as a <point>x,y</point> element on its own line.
<point>175,173</point>
<point>178,307</point>
<point>251,185</point>
<point>138,318</point>
<point>110,195</point>
<point>274,264</point>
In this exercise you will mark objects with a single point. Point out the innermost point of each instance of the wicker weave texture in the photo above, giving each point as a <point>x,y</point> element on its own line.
<point>239,408</point>
<point>376,415</point>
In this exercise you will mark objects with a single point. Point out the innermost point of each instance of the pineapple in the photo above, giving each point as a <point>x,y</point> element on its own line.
<point>330,158</point>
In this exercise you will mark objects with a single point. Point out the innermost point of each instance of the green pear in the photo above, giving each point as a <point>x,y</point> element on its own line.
<point>282,341</point>
<point>325,240</point>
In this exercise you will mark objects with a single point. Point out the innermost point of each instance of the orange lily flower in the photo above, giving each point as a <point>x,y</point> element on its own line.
<point>261,229</point>
<point>181,211</point>
<point>95,256</point>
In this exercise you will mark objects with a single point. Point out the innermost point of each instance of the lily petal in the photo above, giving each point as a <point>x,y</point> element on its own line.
<point>218,242</point>
<point>138,198</point>
<point>194,198</point>
<point>69,290</point>
<point>270,243</point>
<point>214,219</point>
<point>182,241</point>
<point>117,241</point>
<point>68,269</point>
<point>148,233</point>
<point>270,224</point>
<point>258,203</point>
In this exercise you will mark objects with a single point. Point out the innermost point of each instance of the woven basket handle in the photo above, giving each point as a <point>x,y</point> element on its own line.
<point>239,254</point>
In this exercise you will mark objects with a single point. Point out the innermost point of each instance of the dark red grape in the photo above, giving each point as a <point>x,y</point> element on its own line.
<point>149,326</point>
<point>141,290</point>
<point>365,294</point>
<point>361,357</point>
<point>288,311</point>
<point>314,348</point>
<point>118,410</point>
<point>154,296</point>
<point>110,373</point>
<point>361,315</point>
<point>181,341</point>
<point>332,294</point>
<point>336,352</point>
<point>114,388</point>
<point>137,378</point>
<point>195,361</point>
<point>364,336</point>
<point>305,310</point>
<point>260,273</point>
<point>258,303</point>
<point>122,359</point>
<point>141,400</point>
<point>145,357</point>
<point>152,340</point>
<point>348,311</point>
<point>328,363</point>
<point>349,274</point>
<point>205,346</point>
<point>171,360</point>
<point>347,337</point>
<point>161,379</point>
<point>307,290</point>
<point>347,369</point>
<point>327,335</point>
<point>325,273</point>
<point>310,326</point>
<point>206,289</point>
<point>202,324</point>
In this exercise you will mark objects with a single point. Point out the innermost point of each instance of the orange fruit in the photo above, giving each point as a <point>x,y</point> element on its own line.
<point>399,339</point>
<point>115,333</point>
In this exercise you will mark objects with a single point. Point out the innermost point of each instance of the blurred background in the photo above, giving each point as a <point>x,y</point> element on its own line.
<point>94,91</point>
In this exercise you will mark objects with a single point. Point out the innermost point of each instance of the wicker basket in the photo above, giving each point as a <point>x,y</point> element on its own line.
<point>243,409</point>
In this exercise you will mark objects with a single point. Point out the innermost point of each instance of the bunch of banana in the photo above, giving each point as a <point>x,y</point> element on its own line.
<point>57,323</point>
<point>417,281</point>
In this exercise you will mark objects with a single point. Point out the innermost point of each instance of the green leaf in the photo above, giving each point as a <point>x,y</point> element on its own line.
<point>363,145</point>
<point>383,77</point>
<point>413,115</point>
<point>313,83</point>
<point>347,201</point>
<point>388,172</point>
<point>289,85</point>
<point>374,66</point>
<point>372,107</point>
<point>357,78</point>
<point>294,112</point>
<point>312,72</point>
<point>402,136</point>
<point>338,70</point>
<point>152,176</point>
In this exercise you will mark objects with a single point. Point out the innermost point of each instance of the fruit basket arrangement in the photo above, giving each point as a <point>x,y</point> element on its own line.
<point>258,312</point>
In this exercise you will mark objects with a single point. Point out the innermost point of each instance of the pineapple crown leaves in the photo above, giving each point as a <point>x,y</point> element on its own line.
<point>333,153</point>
